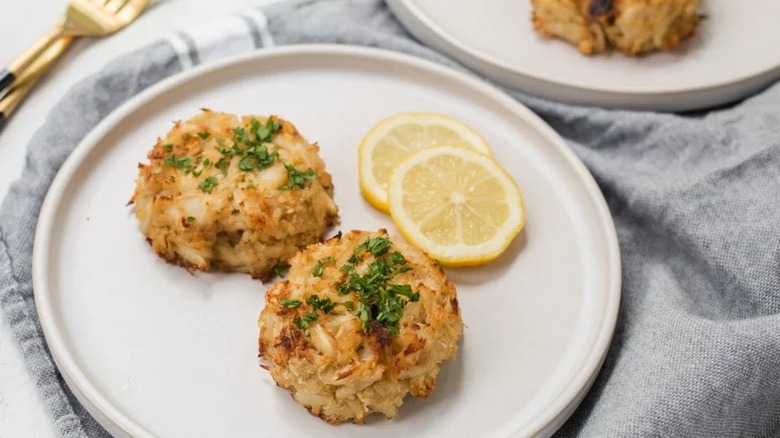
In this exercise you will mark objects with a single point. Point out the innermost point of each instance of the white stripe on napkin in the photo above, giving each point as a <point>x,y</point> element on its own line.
<point>261,21</point>
<point>223,38</point>
<point>182,50</point>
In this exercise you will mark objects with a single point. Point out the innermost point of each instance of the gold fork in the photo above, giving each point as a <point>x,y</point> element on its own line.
<point>29,77</point>
<point>82,18</point>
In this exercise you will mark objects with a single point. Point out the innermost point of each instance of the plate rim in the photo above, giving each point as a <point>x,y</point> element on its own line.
<point>117,422</point>
<point>423,27</point>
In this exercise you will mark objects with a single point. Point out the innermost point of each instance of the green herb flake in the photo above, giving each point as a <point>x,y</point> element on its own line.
<point>183,163</point>
<point>303,322</point>
<point>280,269</point>
<point>204,135</point>
<point>324,305</point>
<point>267,131</point>
<point>168,147</point>
<point>290,304</point>
<point>222,165</point>
<point>296,178</point>
<point>208,184</point>
<point>397,258</point>
<point>250,186</point>
<point>190,219</point>
<point>320,266</point>
<point>378,246</point>
<point>364,316</point>
<point>317,270</point>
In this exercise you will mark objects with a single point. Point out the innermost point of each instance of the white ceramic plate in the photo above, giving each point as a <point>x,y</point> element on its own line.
<point>152,350</point>
<point>734,53</point>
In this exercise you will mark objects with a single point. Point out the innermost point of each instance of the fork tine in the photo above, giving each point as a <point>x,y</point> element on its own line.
<point>136,6</point>
<point>113,6</point>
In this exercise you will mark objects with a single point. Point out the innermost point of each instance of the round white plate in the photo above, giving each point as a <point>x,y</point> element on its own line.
<point>153,350</point>
<point>733,54</point>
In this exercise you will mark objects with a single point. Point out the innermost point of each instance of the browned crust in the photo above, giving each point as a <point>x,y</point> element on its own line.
<point>593,26</point>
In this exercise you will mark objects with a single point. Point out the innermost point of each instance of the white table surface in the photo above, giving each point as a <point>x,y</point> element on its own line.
<point>22,413</point>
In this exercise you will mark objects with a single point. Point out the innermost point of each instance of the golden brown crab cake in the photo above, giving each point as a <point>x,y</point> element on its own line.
<point>631,26</point>
<point>233,194</point>
<point>362,320</point>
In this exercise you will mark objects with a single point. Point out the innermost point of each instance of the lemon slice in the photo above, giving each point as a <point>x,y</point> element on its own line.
<point>399,136</point>
<point>457,205</point>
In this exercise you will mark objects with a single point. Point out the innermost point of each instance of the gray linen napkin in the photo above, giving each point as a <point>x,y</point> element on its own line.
<point>694,198</point>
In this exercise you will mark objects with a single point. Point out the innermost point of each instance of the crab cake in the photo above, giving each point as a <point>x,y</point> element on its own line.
<point>232,194</point>
<point>631,26</point>
<point>362,320</point>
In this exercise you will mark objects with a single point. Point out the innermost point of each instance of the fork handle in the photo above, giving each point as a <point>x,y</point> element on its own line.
<point>6,78</point>
<point>16,94</point>
<point>29,77</point>
<point>15,68</point>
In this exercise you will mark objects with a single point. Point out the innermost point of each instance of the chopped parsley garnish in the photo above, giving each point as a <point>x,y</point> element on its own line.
<point>381,302</point>
<point>296,178</point>
<point>250,186</point>
<point>319,267</point>
<point>303,322</point>
<point>208,184</point>
<point>377,246</point>
<point>204,135</point>
<point>204,165</point>
<point>168,147</point>
<point>184,163</point>
<point>290,304</point>
<point>379,299</point>
<point>267,131</point>
<point>222,165</point>
<point>325,305</point>
<point>280,269</point>
<point>186,137</point>
<point>190,219</point>
<point>240,135</point>
<point>317,270</point>
<point>256,157</point>
<point>252,150</point>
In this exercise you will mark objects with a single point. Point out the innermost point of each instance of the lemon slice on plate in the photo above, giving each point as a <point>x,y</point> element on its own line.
<point>457,205</point>
<point>399,136</point>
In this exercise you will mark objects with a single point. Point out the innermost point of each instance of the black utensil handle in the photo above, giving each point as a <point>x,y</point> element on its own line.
<point>2,120</point>
<point>6,78</point>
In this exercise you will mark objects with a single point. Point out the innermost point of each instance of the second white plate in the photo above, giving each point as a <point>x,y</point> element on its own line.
<point>152,350</point>
<point>733,54</point>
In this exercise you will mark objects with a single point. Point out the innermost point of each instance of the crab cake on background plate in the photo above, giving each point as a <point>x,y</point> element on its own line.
<point>232,194</point>
<point>634,27</point>
<point>362,320</point>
